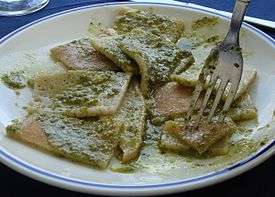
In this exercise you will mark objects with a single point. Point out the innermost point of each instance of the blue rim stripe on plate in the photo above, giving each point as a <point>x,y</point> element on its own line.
<point>193,180</point>
<point>85,183</point>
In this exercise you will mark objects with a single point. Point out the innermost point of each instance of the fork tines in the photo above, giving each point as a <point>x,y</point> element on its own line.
<point>212,87</point>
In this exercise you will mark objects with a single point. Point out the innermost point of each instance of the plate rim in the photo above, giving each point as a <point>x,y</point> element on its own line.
<point>45,176</point>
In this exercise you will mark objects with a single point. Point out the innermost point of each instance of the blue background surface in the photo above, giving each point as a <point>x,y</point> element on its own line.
<point>258,8</point>
<point>257,182</point>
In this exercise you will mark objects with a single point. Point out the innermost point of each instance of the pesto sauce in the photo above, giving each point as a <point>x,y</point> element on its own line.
<point>130,19</point>
<point>157,57</point>
<point>153,134</point>
<point>200,48</point>
<point>30,83</point>
<point>15,126</point>
<point>132,114</point>
<point>158,120</point>
<point>14,79</point>
<point>243,110</point>
<point>109,46</point>
<point>124,168</point>
<point>213,39</point>
<point>204,22</point>
<point>154,161</point>
<point>95,28</point>
<point>81,90</point>
<point>90,140</point>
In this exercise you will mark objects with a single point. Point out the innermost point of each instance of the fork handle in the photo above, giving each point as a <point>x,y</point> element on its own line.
<point>232,37</point>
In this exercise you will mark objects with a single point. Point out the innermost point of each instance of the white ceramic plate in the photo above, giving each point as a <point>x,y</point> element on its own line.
<point>72,24</point>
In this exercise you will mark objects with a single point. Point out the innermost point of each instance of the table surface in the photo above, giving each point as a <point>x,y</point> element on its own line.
<point>256,182</point>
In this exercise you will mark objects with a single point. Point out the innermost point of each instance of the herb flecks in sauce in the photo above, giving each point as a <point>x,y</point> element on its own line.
<point>107,44</point>
<point>157,58</point>
<point>244,109</point>
<point>14,126</point>
<point>80,55</point>
<point>200,48</point>
<point>204,22</point>
<point>125,168</point>
<point>30,83</point>
<point>132,114</point>
<point>14,79</point>
<point>90,141</point>
<point>83,93</point>
<point>130,19</point>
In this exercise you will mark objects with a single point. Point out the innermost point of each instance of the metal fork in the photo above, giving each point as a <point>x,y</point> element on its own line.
<point>223,65</point>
